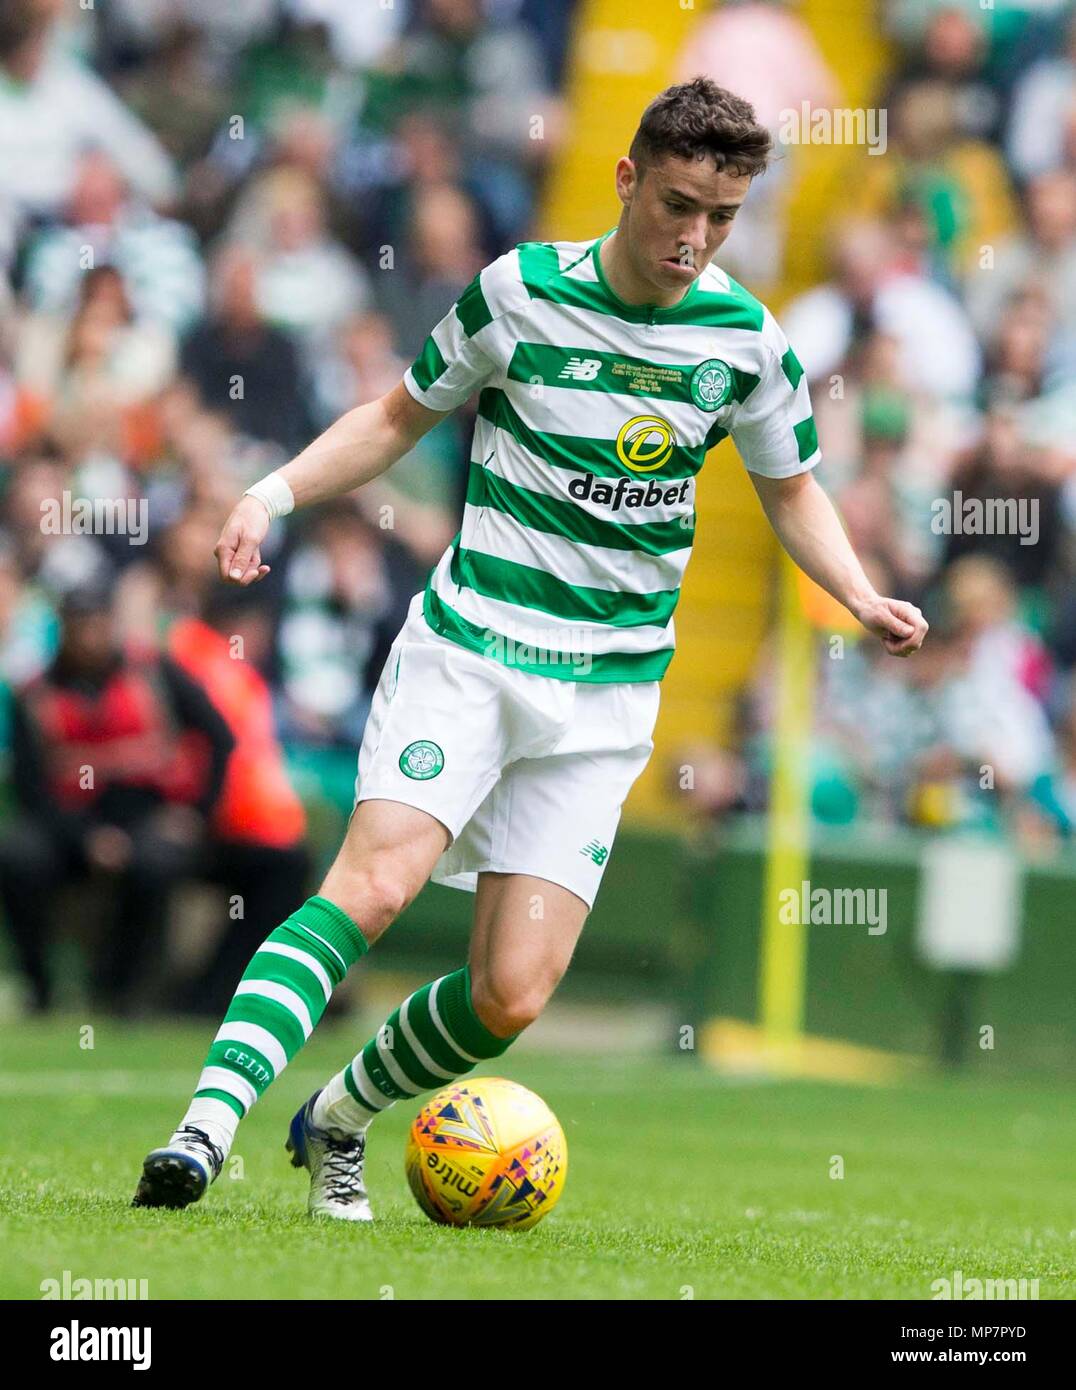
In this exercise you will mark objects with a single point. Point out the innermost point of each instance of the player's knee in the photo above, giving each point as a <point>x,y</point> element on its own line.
<point>506,1007</point>
<point>372,897</point>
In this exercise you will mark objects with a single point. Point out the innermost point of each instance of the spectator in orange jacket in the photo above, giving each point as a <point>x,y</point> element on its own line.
<point>258,824</point>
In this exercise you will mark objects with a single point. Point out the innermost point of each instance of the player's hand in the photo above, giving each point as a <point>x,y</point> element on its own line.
<point>900,626</point>
<point>238,551</point>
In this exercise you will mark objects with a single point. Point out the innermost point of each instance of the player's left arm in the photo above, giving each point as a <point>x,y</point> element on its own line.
<point>807,525</point>
<point>773,428</point>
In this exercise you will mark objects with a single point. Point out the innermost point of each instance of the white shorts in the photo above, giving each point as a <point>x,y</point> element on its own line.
<point>528,773</point>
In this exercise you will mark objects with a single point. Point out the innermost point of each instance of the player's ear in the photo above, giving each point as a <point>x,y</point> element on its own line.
<point>627,178</point>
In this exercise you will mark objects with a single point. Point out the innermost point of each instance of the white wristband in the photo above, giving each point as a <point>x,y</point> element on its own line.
<point>274,494</point>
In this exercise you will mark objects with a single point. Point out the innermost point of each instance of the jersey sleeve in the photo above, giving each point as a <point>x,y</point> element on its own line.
<point>773,428</point>
<point>456,360</point>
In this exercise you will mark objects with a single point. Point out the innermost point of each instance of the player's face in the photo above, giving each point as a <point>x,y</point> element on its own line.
<point>678,214</point>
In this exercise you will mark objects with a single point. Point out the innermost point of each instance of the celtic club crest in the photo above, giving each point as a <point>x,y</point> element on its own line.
<point>421,760</point>
<point>711,384</point>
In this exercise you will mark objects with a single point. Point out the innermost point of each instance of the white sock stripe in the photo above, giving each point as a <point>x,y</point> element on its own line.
<point>282,995</point>
<point>328,945</point>
<point>334,1090</point>
<point>389,1062</point>
<point>304,958</point>
<point>371,1096</point>
<point>222,1079</point>
<point>254,1035</point>
<point>417,1048</point>
<point>453,1044</point>
<point>208,1110</point>
<point>337,1108</point>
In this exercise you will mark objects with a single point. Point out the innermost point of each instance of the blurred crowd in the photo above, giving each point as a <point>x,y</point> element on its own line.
<point>941,354</point>
<point>221,226</point>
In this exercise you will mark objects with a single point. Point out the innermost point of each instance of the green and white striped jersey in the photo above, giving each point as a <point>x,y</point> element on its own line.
<point>594,418</point>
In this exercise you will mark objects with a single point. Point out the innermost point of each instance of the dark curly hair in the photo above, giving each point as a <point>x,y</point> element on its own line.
<point>697,119</point>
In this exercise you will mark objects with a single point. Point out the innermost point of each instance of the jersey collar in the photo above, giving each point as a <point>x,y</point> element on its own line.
<point>638,313</point>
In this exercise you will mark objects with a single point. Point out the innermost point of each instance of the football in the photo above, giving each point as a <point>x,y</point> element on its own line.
<point>486,1152</point>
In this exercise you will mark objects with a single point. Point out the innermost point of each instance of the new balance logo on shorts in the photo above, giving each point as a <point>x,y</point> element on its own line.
<point>593,850</point>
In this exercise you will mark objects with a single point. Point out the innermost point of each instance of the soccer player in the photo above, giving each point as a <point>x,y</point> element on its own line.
<point>517,704</point>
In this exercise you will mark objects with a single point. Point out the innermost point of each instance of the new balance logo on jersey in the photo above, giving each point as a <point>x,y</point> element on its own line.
<point>580,369</point>
<point>599,853</point>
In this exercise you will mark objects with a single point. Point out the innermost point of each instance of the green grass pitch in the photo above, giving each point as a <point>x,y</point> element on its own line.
<point>680,1184</point>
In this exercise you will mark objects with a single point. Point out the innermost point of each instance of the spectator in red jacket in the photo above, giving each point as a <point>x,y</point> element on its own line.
<point>118,758</point>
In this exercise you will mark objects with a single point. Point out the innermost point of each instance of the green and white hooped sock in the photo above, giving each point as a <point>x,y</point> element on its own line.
<point>277,1005</point>
<point>432,1038</point>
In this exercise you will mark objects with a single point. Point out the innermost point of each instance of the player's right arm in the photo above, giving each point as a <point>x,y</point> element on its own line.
<point>457,359</point>
<point>359,446</point>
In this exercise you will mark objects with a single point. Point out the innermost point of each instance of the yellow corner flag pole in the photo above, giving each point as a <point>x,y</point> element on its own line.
<point>783,957</point>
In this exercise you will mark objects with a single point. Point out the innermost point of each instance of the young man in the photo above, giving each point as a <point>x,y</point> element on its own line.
<point>517,704</point>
